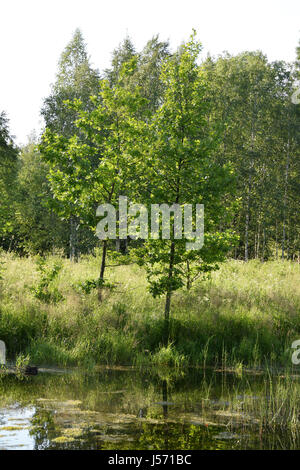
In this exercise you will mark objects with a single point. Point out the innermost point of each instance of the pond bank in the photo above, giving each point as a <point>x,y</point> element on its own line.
<point>247,314</point>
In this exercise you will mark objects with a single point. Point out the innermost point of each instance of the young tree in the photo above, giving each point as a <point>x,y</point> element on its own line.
<point>181,171</point>
<point>106,164</point>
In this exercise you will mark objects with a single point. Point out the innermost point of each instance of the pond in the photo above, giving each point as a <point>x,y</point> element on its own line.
<point>127,408</point>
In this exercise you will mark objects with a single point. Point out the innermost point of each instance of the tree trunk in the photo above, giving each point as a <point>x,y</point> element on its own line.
<point>285,202</point>
<point>288,240</point>
<point>169,294</point>
<point>264,245</point>
<point>104,250</point>
<point>102,269</point>
<point>188,283</point>
<point>11,243</point>
<point>258,243</point>
<point>253,120</point>
<point>276,241</point>
<point>73,239</point>
<point>247,220</point>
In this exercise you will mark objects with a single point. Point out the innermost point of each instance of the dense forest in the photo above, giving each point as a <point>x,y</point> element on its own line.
<point>49,194</point>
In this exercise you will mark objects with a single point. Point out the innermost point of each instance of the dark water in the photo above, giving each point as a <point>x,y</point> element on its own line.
<point>148,409</point>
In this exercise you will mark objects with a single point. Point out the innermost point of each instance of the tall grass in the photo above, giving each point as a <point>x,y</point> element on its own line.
<point>246,314</point>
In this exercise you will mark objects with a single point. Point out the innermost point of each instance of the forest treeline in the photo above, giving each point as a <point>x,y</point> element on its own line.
<point>249,131</point>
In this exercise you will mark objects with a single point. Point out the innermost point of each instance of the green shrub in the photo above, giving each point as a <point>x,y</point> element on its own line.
<point>44,290</point>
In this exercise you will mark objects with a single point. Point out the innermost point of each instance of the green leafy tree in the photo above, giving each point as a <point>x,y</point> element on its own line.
<point>75,80</point>
<point>38,227</point>
<point>249,96</point>
<point>148,72</point>
<point>86,174</point>
<point>8,172</point>
<point>181,171</point>
<point>124,53</point>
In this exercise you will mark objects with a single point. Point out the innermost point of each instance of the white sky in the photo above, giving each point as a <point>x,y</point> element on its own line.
<point>33,33</point>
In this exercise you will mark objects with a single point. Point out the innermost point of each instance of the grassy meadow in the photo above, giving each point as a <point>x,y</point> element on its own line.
<point>246,315</point>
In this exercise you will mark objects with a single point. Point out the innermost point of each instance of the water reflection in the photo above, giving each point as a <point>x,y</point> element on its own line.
<point>15,422</point>
<point>130,409</point>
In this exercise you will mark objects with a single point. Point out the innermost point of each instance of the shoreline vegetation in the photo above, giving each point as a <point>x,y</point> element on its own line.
<point>246,315</point>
